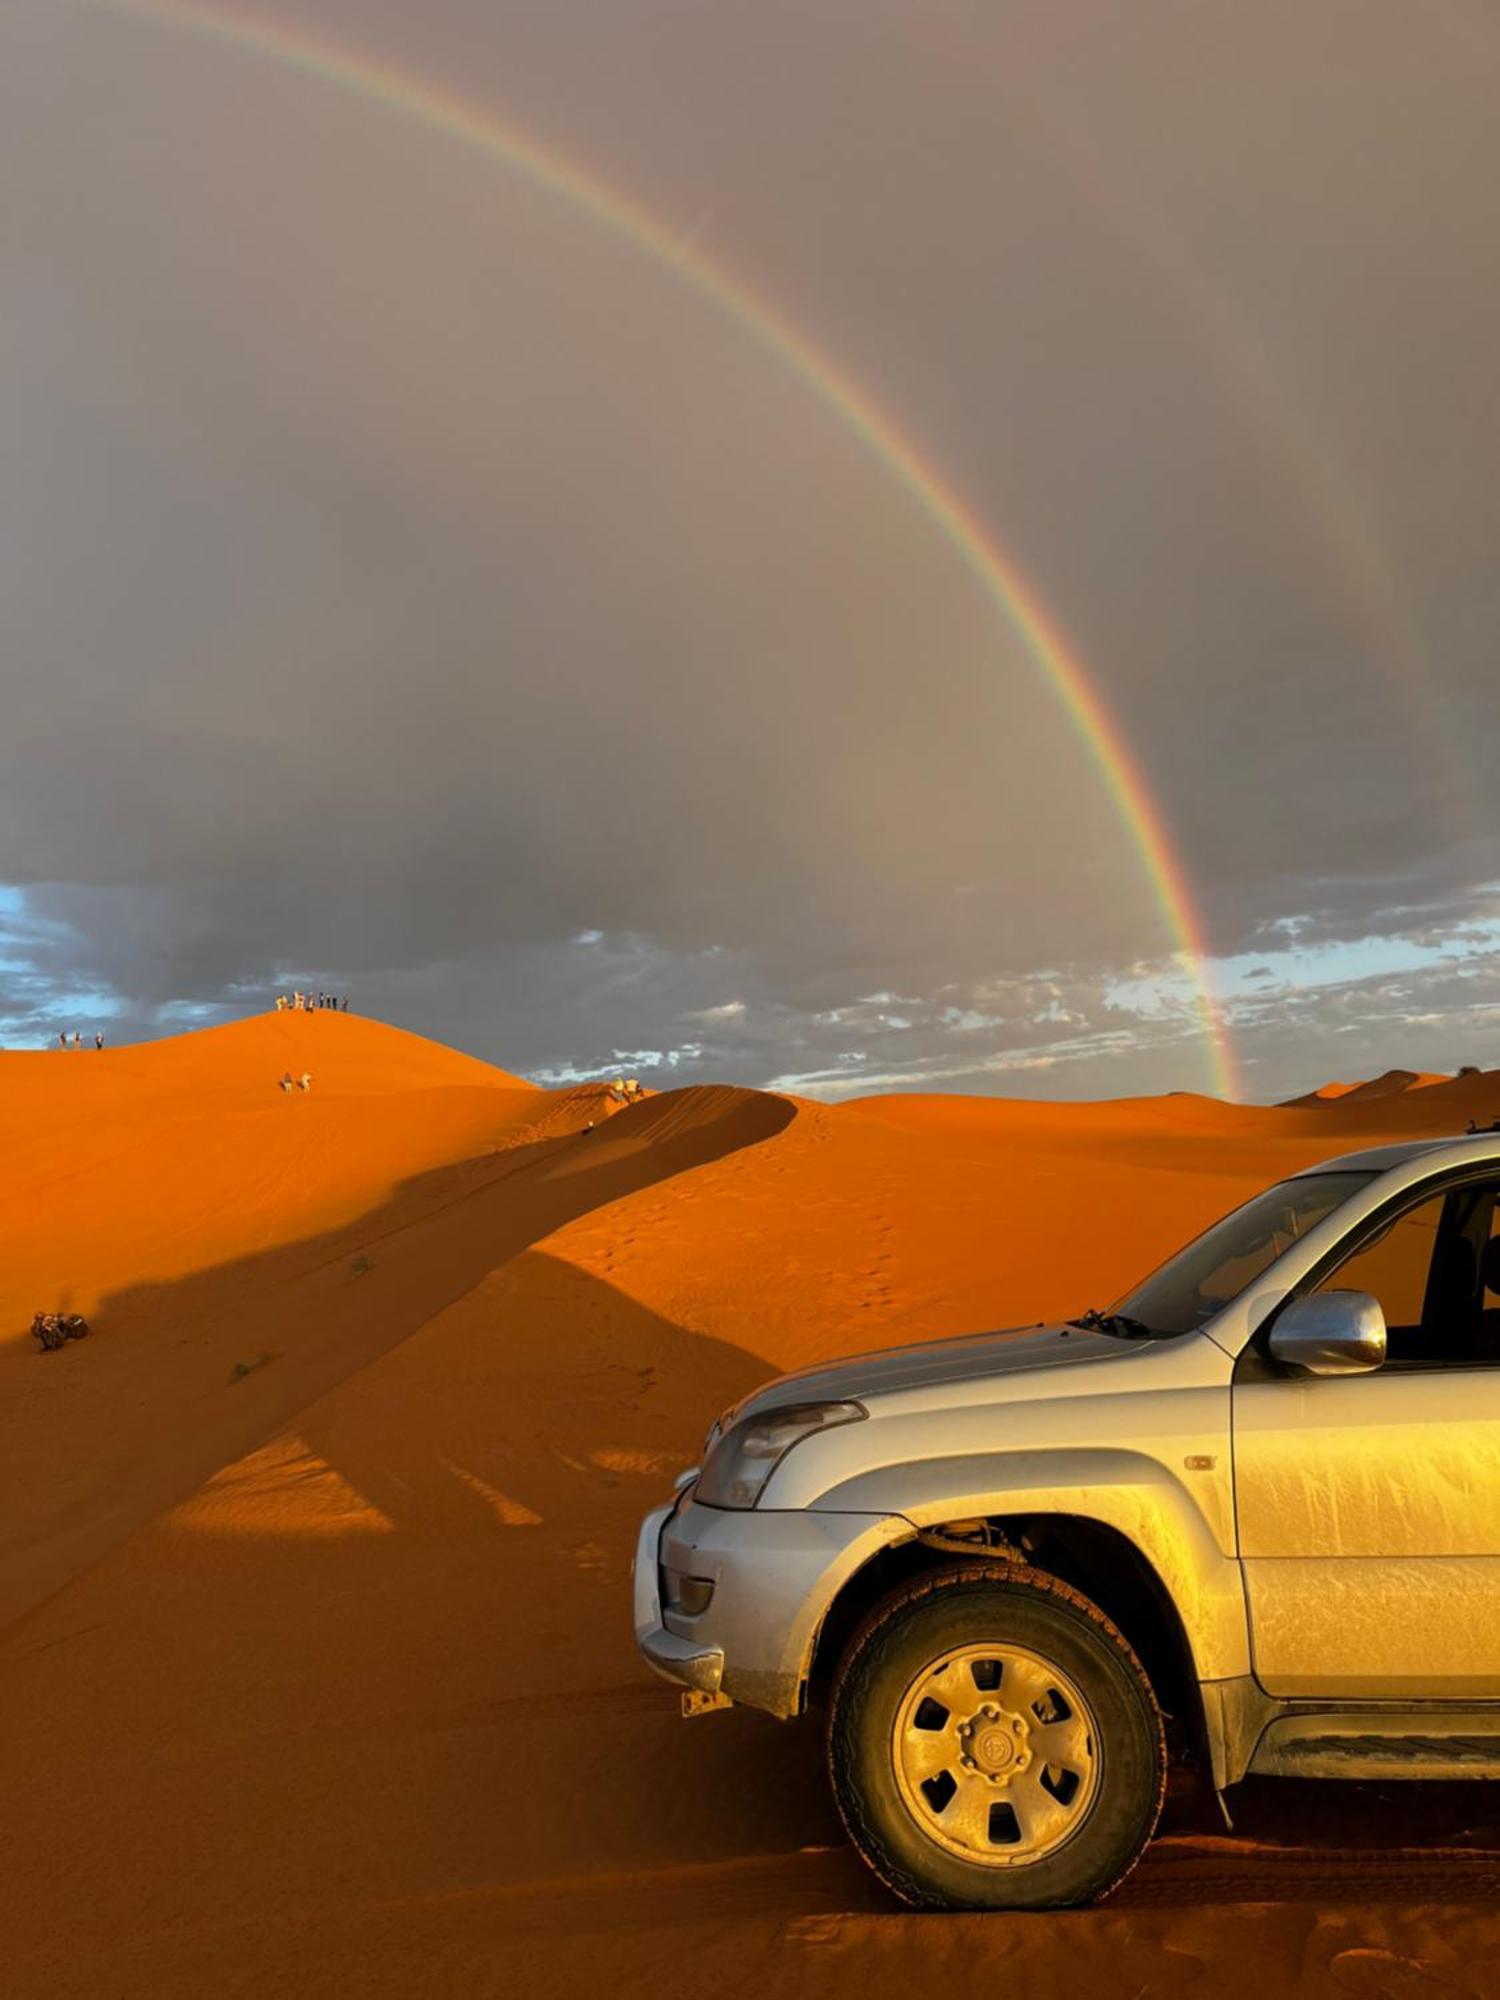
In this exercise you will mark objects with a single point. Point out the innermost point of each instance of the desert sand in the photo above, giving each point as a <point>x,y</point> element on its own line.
<point>316,1668</point>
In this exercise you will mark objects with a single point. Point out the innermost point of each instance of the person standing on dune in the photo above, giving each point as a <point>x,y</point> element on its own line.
<point>98,1038</point>
<point>62,1037</point>
<point>78,1038</point>
<point>304,1082</point>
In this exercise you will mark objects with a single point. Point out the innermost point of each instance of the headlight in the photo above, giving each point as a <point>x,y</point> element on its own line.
<point>742,1459</point>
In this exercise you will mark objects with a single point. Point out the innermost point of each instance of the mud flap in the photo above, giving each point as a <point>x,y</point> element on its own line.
<point>694,1702</point>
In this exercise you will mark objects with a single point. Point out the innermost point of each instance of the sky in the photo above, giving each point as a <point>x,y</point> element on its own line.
<point>413,584</point>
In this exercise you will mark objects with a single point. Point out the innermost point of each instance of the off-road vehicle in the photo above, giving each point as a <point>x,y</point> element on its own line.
<point>1259,1497</point>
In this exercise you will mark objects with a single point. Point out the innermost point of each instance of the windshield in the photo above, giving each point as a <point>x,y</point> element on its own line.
<point>1215,1268</point>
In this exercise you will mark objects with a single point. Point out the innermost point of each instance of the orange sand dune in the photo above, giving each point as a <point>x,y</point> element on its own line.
<point>1395,1083</point>
<point>316,1674</point>
<point>1392,1083</point>
<point>1326,1093</point>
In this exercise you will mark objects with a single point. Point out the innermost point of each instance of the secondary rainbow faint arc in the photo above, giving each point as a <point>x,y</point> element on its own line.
<point>382,83</point>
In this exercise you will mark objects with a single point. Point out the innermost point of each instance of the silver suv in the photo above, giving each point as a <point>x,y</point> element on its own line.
<point>1260,1495</point>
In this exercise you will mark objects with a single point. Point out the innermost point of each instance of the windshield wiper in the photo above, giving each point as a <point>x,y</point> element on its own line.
<point>1120,1325</point>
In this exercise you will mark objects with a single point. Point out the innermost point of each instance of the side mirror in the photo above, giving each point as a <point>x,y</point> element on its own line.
<point>1330,1333</point>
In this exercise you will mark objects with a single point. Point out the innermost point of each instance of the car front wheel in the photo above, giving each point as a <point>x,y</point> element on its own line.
<point>994,1743</point>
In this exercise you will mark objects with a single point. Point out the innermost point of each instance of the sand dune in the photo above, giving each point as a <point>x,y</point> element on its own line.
<point>1326,1093</point>
<point>316,1664</point>
<point>1396,1083</point>
<point>1391,1083</point>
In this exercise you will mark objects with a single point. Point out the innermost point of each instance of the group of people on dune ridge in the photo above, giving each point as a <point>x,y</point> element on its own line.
<point>623,1091</point>
<point>311,1003</point>
<point>77,1041</point>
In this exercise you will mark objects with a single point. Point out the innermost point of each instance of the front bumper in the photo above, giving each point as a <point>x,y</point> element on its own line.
<point>681,1660</point>
<point>774,1575</point>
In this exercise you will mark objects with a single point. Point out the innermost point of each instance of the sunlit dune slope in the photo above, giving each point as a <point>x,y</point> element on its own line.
<point>345,1052</point>
<point>1326,1093</point>
<point>1392,1083</point>
<point>142,1163</point>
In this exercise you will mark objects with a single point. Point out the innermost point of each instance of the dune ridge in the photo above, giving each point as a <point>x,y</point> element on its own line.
<point>1390,1083</point>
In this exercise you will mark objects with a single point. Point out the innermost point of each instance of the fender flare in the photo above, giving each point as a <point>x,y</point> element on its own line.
<point>1128,1491</point>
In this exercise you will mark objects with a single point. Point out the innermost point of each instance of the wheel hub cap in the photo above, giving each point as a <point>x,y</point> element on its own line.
<point>996,1755</point>
<point>994,1742</point>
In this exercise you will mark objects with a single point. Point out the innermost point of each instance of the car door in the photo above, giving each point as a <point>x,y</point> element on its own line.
<point>1368,1506</point>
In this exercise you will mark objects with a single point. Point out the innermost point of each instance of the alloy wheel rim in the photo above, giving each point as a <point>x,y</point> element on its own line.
<point>996,1755</point>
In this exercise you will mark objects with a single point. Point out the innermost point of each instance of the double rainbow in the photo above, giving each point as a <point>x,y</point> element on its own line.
<point>442,110</point>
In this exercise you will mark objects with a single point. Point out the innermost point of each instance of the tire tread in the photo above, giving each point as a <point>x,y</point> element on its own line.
<point>843,1751</point>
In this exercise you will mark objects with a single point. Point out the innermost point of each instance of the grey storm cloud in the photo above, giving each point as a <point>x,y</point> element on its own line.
<point>404,577</point>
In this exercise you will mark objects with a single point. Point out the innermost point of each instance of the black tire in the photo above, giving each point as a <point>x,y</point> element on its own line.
<point>1000,1604</point>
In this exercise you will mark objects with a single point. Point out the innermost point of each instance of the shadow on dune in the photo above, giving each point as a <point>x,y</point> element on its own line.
<point>512,1445</point>
<point>186,1375</point>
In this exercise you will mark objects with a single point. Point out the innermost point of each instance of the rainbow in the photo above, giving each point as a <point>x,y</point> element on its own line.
<point>1334,508</point>
<point>442,110</point>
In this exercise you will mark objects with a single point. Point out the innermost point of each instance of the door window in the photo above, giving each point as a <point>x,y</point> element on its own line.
<point>1435,1270</point>
<point>1489,1281</point>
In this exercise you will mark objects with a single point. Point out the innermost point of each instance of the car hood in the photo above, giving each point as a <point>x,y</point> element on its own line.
<point>930,1364</point>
